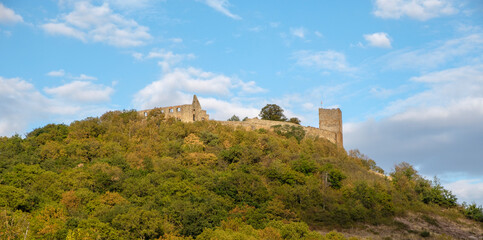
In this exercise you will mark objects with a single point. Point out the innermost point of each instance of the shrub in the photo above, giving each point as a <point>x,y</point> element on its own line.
<point>424,234</point>
<point>473,211</point>
<point>290,131</point>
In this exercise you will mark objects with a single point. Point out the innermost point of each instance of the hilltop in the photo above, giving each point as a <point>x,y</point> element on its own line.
<point>129,176</point>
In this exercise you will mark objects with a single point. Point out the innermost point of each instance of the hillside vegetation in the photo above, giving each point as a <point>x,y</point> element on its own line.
<point>121,176</point>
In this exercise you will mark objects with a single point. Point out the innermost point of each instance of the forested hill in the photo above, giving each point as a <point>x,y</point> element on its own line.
<point>120,176</point>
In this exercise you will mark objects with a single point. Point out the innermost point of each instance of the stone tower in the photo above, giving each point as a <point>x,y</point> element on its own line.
<point>331,120</point>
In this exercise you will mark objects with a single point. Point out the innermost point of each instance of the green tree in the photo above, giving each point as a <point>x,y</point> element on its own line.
<point>14,225</point>
<point>272,112</point>
<point>234,118</point>
<point>290,131</point>
<point>334,176</point>
<point>473,211</point>
<point>294,120</point>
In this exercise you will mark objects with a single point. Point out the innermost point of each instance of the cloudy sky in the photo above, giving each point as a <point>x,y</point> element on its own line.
<point>407,74</point>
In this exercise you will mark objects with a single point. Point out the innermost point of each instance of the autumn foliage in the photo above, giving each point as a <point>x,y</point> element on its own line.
<point>121,176</point>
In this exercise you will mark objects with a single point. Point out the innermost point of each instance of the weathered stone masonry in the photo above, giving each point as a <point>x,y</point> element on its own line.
<point>330,120</point>
<point>254,124</point>
<point>185,113</point>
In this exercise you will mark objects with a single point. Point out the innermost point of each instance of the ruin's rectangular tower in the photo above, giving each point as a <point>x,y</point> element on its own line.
<point>331,120</point>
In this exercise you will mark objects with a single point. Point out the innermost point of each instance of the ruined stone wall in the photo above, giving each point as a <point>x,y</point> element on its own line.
<point>185,113</point>
<point>198,113</point>
<point>254,124</point>
<point>331,120</point>
<point>321,133</point>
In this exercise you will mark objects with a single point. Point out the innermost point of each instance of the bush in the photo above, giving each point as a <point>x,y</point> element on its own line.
<point>304,165</point>
<point>473,211</point>
<point>334,176</point>
<point>234,118</point>
<point>232,154</point>
<point>294,120</point>
<point>425,234</point>
<point>290,131</point>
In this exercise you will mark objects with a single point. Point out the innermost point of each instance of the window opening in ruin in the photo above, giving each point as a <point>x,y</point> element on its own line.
<point>178,109</point>
<point>145,114</point>
<point>193,117</point>
<point>162,111</point>
<point>170,110</point>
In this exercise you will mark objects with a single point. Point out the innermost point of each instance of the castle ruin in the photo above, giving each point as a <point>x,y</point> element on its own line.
<point>185,113</point>
<point>330,120</point>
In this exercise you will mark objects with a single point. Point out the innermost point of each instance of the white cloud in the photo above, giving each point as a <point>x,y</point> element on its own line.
<point>222,110</point>
<point>222,7</point>
<point>178,85</point>
<point>130,4</point>
<point>473,73</point>
<point>298,32</point>
<point>326,60</point>
<point>85,77</point>
<point>58,73</point>
<point>436,54</point>
<point>470,190</point>
<point>124,5</point>
<point>16,94</point>
<point>82,91</point>
<point>168,55</point>
<point>379,39</point>
<point>417,9</point>
<point>169,59</point>
<point>99,24</point>
<point>7,15</point>
<point>63,29</point>
<point>451,88</point>
<point>318,34</point>
<point>438,129</point>
<point>62,73</point>
<point>249,87</point>
<point>173,86</point>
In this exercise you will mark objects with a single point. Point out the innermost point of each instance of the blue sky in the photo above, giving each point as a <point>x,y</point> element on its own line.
<point>407,74</point>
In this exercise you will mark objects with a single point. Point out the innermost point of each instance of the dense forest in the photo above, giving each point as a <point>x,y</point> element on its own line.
<point>122,176</point>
